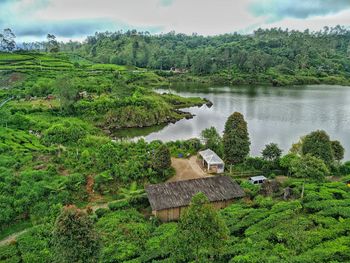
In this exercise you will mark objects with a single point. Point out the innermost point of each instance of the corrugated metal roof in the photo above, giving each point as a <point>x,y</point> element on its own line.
<point>211,157</point>
<point>178,194</point>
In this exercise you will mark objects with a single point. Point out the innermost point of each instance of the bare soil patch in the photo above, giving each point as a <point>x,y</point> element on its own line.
<point>186,169</point>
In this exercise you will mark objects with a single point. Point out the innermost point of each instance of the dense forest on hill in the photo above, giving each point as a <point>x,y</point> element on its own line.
<point>271,56</point>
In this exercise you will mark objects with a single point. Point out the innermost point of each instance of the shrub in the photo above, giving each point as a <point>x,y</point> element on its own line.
<point>100,212</point>
<point>117,205</point>
<point>66,132</point>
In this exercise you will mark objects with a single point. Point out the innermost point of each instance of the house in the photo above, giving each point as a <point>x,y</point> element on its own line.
<point>211,162</point>
<point>170,200</point>
<point>257,179</point>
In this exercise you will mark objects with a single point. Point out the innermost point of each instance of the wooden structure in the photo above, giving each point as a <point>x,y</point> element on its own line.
<point>169,200</point>
<point>211,162</point>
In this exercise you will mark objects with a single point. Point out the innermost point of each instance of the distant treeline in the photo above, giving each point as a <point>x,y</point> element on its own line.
<point>322,53</point>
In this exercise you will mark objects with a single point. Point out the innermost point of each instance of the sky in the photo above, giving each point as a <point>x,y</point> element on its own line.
<point>75,19</point>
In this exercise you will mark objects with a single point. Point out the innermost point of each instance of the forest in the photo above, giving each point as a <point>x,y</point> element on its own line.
<point>71,192</point>
<point>268,56</point>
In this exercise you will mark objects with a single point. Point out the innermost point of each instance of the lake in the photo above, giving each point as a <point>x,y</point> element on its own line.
<point>274,114</point>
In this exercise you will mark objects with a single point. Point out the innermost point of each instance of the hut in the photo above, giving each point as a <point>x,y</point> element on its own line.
<point>169,200</point>
<point>211,162</point>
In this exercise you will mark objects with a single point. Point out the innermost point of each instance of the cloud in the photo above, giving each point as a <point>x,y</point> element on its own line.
<point>68,28</point>
<point>73,28</point>
<point>33,19</point>
<point>276,10</point>
<point>166,2</point>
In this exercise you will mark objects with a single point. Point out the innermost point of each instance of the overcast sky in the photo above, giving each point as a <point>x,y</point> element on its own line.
<point>75,19</point>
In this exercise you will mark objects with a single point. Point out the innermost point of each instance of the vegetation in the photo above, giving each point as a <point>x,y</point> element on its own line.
<point>309,166</point>
<point>161,158</point>
<point>236,139</point>
<point>213,140</point>
<point>271,152</point>
<point>338,150</point>
<point>319,145</point>
<point>268,56</point>
<point>71,193</point>
<point>201,233</point>
<point>74,237</point>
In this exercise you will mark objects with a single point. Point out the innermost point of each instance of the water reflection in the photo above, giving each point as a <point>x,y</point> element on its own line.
<point>279,115</point>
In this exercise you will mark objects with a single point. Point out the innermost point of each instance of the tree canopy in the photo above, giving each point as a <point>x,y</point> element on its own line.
<point>271,152</point>
<point>201,232</point>
<point>74,237</point>
<point>318,144</point>
<point>213,140</point>
<point>236,139</point>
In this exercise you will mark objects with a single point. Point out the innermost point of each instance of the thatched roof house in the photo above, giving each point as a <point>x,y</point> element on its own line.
<point>168,200</point>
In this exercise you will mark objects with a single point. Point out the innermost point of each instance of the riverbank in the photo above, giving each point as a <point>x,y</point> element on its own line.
<point>264,79</point>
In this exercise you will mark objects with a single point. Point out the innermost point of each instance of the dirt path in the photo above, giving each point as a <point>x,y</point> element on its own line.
<point>5,101</point>
<point>12,238</point>
<point>186,169</point>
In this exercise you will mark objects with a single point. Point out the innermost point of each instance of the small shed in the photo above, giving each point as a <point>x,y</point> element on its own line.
<point>257,179</point>
<point>211,161</point>
<point>170,200</point>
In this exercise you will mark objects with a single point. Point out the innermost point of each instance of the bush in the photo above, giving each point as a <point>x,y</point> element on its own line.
<point>254,163</point>
<point>139,200</point>
<point>344,169</point>
<point>66,132</point>
<point>250,189</point>
<point>100,212</point>
<point>117,205</point>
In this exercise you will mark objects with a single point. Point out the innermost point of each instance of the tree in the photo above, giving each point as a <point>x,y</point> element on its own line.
<point>67,92</point>
<point>52,43</point>
<point>74,237</point>
<point>318,144</point>
<point>212,140</point>
<point>297,147</point>
<point>287,161</point>
<point>271,152</point>
<point>338,150</point>
<point>7,40</point>
<point>236,139</point>
<point>201,232</point>
<point>161,159</point>
<point>309,166</point>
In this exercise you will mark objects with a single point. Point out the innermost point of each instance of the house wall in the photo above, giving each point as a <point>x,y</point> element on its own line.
<point>174,214</point>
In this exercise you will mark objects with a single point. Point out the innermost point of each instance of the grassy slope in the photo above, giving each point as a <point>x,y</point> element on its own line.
<point>32,130</point>
<point>108,86</point>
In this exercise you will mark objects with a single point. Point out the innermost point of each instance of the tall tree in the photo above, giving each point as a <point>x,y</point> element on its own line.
<point>67,92</point>
<point>74,237</point>
<point>7,40</point>
<point>338,150</point>
<point>201,232</point>
<point>52,43</point>
<point>236,139</point>
<point>318,144</point>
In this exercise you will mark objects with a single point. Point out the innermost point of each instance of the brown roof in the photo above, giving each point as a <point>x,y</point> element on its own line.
<point>177,194</point>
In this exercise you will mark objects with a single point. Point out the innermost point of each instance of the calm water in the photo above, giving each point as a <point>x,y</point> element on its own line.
<point>273,114</point>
